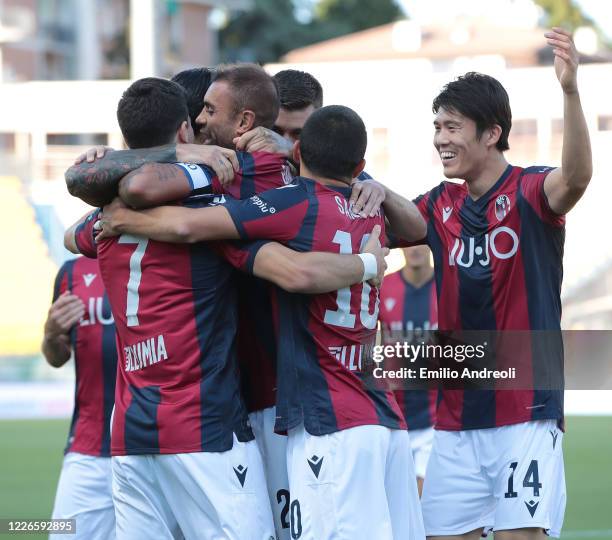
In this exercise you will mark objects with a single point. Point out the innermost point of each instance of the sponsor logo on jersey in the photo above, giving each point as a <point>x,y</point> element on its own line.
<point>88,279</point>
<point>350,356</point>
<point>446,213</point>
<point>145,353</point>
<point>502,207</point>
<point>502,243</point>
<point>95,313</point>
<point>262,205</point>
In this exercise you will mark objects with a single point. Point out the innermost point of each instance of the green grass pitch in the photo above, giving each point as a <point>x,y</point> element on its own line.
<point>31,455</point>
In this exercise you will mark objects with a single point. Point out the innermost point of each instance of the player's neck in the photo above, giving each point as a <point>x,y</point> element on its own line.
<point>484,179</point>
<point>307,173</point>
<point>417,276</point>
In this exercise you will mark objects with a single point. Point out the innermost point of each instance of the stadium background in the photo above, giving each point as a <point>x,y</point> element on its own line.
<point>64,64</point>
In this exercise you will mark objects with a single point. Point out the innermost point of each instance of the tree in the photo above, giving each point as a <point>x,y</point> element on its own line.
<point>564,13</point>
<point>271,29</point>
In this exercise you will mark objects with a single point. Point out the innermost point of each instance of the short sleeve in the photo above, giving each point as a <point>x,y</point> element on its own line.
<point>241,255</point>
<point>532,189</point>
<point>276,214</point>
<point>61,285</point>
<point>394,241</point>
<point>84,235</point>
<point>200,178</point>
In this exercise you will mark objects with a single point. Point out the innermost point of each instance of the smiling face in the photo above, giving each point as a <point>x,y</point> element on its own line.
<point>219,118</point>
<point>462,152</point>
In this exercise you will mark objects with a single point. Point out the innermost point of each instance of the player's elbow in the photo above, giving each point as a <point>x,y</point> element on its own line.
<point>184,232</point>
<point>135,189</point>
<point>299,279</point>
<point>70,242</point>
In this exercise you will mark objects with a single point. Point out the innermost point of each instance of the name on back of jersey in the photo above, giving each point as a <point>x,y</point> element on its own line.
<point>346,209</point>
<point>145,353</point>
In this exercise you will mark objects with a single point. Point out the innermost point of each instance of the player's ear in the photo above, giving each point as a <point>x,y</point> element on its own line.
<point>185,132</point>
<point>493,135</point>
<point>297,155</point>
<point>247,122</point>
<point>359,168</point>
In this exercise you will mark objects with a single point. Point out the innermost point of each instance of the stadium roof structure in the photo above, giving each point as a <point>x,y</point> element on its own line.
<point>520,46</point>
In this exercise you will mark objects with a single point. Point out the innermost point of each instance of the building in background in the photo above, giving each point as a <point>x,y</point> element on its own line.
<point>93,39</point>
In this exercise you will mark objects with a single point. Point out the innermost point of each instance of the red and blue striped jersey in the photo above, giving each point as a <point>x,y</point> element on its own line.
<point>256,338</point>
<point>408,313</point>
<point>323,340</point>
<point>499,266</point>
<point>178,386</point>
<point>95,358</point>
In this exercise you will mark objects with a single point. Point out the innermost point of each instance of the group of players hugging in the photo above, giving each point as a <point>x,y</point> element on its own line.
<point>230,293</point>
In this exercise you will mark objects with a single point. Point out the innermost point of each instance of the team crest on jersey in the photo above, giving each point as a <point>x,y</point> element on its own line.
<point>88,279</point>
<point>286,174</point>
<point>389,303</point>
<point>502,207</point>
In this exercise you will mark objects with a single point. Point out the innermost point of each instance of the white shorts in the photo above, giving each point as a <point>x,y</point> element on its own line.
<point>84,493</point>
<point>192,496</point>
<point>504,478</point>
<point>273,449</point>
<point>420,444</point>
<point>351,485</point>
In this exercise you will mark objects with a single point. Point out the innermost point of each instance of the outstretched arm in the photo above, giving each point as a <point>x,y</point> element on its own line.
<point>565,186</point>
<point>318,272</point>
<point>96,183</point>
<point>405,220</point>
<point>169,223</point>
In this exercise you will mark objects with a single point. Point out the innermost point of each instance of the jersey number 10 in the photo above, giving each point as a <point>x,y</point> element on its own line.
<point>342,316</point>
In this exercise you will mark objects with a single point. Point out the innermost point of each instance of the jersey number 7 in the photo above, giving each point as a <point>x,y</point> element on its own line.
<point>133,299</point>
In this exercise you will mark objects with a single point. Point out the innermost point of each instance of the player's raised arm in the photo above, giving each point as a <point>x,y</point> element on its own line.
<point>565,186</point>
<point>168,223</point>
<point>96,183</point>
<point>320,272</point>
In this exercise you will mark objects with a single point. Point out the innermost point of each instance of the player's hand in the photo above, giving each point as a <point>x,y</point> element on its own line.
<point>566,58</point>
<point>64,313</point>
<point>373,246</point>
<point>109,217</point>
<point>366,197</point>
<point>262,139</point>
<point>221,160</point>
<point>97,152</point>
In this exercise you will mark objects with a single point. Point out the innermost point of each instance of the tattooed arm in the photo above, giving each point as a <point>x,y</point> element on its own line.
<point>96,183</point>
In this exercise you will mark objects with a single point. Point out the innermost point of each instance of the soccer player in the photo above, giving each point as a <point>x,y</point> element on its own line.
<point>497,240</point>
<point>182,450</point>
<point>344,440</point>
<point>300,95</point>
<point>80,323</point>
<point>408,313</point>
<point>195,82</point>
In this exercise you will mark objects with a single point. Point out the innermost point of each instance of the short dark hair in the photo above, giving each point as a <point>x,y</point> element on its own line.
<point>482,99</point>
<point>195,82</point>
<point>150,112</point>
<point>333,142</point>
<point>252,88</point>
<point>298,89</point>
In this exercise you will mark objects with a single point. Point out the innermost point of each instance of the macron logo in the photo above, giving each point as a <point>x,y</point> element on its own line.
<point>446,213</point>
<point>389,303</point>
<point>88,278</point>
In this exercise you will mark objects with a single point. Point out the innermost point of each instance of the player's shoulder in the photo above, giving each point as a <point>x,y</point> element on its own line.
<point>532,171</point>
<point>445,189</point>
<point>69,264</point>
